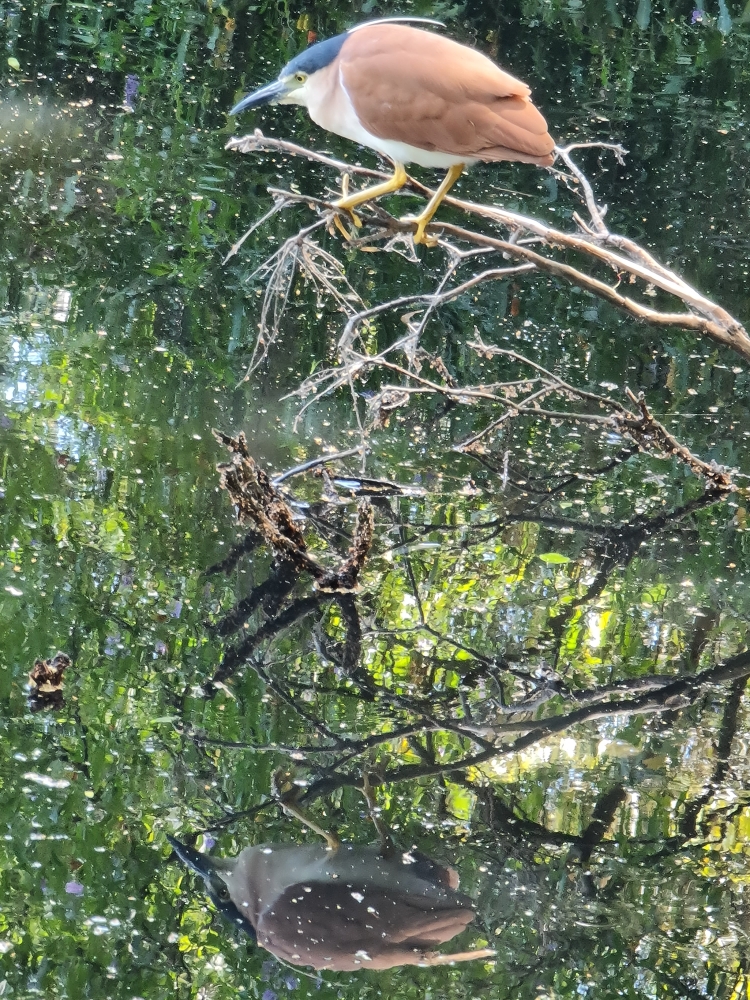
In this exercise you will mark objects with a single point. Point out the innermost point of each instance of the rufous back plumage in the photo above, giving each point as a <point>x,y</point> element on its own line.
<point>452,99</point>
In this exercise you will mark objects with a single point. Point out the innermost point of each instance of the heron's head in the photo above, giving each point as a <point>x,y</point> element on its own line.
<point>216,873</point>
<point>296,78</point>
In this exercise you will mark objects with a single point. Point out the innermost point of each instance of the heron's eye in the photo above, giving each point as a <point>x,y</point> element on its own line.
<point>222,892</point>
<point>300,77</point>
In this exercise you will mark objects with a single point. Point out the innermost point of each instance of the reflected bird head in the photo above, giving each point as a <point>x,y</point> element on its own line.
<point>217,876</point>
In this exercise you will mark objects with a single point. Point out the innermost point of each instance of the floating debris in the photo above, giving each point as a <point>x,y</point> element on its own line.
<point>259,503</point>
<point>46,680</point>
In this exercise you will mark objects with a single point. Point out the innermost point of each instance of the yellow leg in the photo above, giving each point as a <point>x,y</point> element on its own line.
<point>287,797</point>
<point>394,183</point>
<point>435,958</point>
<point>424,218</point>
<point>387,847</point>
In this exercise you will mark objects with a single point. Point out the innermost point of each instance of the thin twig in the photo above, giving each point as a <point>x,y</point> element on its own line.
<point>314,463</point>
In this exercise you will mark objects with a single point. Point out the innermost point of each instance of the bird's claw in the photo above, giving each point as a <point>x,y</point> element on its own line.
<point>342,205</point>
<point>348,236</point>
<point>428,241</point>
<point>339,207</point>
<point>420,236</point>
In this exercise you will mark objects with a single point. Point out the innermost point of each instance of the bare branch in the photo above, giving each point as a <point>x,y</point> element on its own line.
<point>315,462</point>
<point>624,256</point>
<point>593,243</point>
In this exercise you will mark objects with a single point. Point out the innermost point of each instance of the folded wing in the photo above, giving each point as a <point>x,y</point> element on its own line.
<point>452,99</point>
<point>353,926</point>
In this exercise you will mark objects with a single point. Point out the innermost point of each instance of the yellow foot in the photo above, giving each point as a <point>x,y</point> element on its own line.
<point>350,201</point>
<point>423,219</point>
<point>342,228</point>
<point>342,207</point>
<point>420,236</point>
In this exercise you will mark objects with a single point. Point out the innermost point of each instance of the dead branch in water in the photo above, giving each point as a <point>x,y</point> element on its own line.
<point>260,504</point>
<point>405,358</point>
<point>593,241</point>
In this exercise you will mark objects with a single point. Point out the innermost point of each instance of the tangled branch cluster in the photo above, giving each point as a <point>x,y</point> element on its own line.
<point>529,247</point>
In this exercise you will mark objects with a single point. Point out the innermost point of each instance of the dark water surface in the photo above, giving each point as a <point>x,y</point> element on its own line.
<point>558,572</point>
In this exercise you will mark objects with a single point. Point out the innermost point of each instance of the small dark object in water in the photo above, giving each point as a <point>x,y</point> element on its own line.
<point>46,679</point>
<point>132,83</point>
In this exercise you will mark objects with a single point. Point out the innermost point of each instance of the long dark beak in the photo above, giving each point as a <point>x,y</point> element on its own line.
<point>201,864</point>
<point>266,95</point>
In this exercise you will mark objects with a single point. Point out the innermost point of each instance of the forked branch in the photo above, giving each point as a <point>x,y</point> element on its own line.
<point>594,242</point>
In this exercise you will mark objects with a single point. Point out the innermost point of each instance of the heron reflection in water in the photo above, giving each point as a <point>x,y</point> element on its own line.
<point>339,906</point>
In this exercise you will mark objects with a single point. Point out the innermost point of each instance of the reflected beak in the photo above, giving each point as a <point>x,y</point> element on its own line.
<point>270,94</point>
<point>210,870</point>
<point>201,864</point>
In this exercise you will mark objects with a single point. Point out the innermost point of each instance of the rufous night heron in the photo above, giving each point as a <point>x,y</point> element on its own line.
<point>342,906</point>
<point>414,97</point>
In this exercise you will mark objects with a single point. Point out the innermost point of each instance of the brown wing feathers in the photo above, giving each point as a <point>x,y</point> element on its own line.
<point>335,926</point>
<point>452,98</point>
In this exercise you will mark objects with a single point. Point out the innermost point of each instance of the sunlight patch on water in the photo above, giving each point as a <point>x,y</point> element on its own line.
<point>45,780</point>
<point>61,307</point>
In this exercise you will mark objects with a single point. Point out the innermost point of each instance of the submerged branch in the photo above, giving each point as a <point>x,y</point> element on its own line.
<point>677,694</point>
<point>260,504</point>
